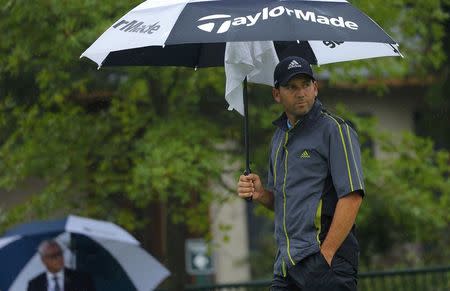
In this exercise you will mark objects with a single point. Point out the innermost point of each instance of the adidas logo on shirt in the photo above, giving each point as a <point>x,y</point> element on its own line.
<point>305,155</point>
<point>294,64</point>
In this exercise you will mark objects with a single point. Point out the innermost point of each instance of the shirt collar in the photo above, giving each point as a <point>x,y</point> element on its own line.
<point>288,123</point>
<point>59,275</point>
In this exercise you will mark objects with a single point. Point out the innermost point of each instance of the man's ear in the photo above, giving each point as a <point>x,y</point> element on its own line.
<point>316,88</point>
<point>276,94</point>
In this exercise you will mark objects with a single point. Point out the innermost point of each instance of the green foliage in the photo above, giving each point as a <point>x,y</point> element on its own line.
<point>176,160</point>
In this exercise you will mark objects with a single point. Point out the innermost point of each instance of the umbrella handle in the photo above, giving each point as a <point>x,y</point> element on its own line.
<point>246,173</point>
<point>246,135</point>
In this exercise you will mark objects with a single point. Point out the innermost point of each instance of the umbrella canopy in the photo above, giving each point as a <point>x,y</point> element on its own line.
<point>209,33</point>
<point>111,255</point>
<point>193,33</point>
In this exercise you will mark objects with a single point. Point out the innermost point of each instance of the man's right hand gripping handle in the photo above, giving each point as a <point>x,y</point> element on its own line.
<point>250,187</point>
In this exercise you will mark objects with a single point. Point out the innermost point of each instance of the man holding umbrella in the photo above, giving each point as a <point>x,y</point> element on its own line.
<point>58,278</point>
<point>315,187</point>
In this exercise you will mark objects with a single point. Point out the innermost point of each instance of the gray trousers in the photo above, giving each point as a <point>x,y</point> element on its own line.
<point>314,274</point>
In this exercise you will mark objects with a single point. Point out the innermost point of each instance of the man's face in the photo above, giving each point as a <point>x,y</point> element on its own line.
<point>52,257</point>
<point>297,97</point>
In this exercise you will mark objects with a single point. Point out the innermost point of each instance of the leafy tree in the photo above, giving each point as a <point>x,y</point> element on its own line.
<point>437,104</point>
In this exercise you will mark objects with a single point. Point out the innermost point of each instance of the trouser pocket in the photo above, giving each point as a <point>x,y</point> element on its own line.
<point>312,273</point>
<point>345,274</point>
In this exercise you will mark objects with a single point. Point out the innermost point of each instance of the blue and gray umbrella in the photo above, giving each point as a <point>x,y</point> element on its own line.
<point>110,254</point>
<point>210,33</point>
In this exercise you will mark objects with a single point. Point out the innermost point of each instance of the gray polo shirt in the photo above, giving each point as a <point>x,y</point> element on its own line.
<point>312,165</point>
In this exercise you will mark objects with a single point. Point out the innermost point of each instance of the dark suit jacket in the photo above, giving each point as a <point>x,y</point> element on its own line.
<point>73,281</point>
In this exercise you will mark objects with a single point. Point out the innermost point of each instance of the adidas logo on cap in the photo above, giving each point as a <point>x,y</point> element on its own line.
<point>294,64</point>
<point>288,68</point>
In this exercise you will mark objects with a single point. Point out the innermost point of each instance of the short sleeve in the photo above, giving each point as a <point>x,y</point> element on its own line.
<point>345,160</point>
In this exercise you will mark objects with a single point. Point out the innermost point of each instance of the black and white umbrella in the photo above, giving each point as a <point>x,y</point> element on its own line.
<point>250,34</point>
<point>193,33</point>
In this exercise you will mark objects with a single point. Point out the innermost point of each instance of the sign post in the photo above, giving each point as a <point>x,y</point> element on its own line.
<point>198,260</point>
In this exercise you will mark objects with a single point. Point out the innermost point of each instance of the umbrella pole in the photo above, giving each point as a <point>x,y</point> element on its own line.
<point>246,134</point>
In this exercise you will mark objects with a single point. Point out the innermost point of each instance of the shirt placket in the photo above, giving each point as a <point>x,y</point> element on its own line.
<point>286,156</point>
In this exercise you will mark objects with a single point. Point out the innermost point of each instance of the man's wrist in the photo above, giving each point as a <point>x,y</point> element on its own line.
<point>265,198</point>
<point>262,196</point>
<point>327,253</point>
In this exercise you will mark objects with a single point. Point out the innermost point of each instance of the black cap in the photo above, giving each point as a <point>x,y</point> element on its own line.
<point>290,67</point>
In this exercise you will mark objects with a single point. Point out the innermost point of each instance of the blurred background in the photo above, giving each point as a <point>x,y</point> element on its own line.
<point>155,150</point>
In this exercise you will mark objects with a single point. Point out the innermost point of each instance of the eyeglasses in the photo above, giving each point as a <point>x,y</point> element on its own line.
<point>53,256</point>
